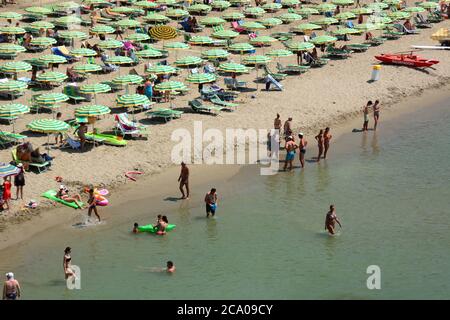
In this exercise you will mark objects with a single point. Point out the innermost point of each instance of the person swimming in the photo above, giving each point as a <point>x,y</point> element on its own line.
<point>330,220</point>
<point>135,228</point>
<point>170,267</point>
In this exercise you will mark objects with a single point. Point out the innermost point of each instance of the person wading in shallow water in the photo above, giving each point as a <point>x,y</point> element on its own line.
<point>183,179</point>
<point>11,287</point>
<point>326,141</point>
<point>330,220</point>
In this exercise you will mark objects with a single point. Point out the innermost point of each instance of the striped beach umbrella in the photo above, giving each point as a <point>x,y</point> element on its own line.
<point>212,21</point>
<point>215,54</point>
<point>346,15</point>
<point>48,126</point>
<point>94,2</point>
<point>238,2</point>
<point>7,169</point>
<point>128,23</point>
<point>252,26</point>
<point>43,41</point>
<point>52,59</point>
<point>67,21</point>
<point>91,111</point>
<point>132,100</point>
<point>362,11</point>
<point>15,67</point>
<point>221,5</point>
<point>271,22</point>
<point>38,25</point>
<point>95,88</point>
<point>366,27</point>
<point>241,47</point>
<point>188,61</point>
<point>51,98</point>
<point>12,30</point>
<point>161,69</point>
<point>299,46</point>
<point>51,77</point>
<point>177,13</point>
<point>265,40</point>
<point>13,110</point>
<point>289,17</point>
<point>149,53</point>
<point>414,9</point>
<point>163,33</point>
<point>280,53</point>
<point>12,86</point>
<point>325,7</point>
<point>323,40</point>
<point>138,37</point>
<point>176,45</point>
<point>128,79</point>
<point>72,34</point>
<point>102,30</point>
<point>231,67</point>
<point>110,44</point>
<point>256,60</point>
<point>67,5</point>
<point>87,68</point>
<point>8,48</point>
<point>325,21</point>
<point>156,17</point>
<point>10,15</point>
<point>38,10</point>
<point>224,34</point>
<point>170,86</point>
<point>83,52</point>
<point>272,7</point>
<point>233,16</point>
<point>117,60</point>
<point>307,11</point>
<point>290,3</point>
<point>200,40</point>
<point>200,78</point>
<point>254,11</point>
<point>199,8</point>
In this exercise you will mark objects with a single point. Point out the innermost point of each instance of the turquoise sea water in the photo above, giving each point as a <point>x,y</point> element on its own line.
<point>391,191</point>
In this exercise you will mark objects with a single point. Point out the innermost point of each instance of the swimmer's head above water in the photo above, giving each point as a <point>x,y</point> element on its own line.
<point>170,266</point>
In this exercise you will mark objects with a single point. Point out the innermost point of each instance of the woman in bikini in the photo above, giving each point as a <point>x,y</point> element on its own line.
<point>63,194</point>
<point>319,139</point>
<point>326,141</point>
<point>376,113</point>
<point>331,219</point>
<point>68,272</point>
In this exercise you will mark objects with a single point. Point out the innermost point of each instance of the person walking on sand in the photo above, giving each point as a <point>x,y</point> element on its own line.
<point>376,113</point>
<point>183,179</point>
<point>302,148</point>
<point>7,191</point>
<point>19,181</point>
<point>366,116</point>
<point>211,202</point>
<point>11,287</point>
<point>288,127</point>
<point>277,123</point>
<point>92,204</point>
<point>319,139</point>
<point>290,152</point>
<point>330,220</point>
<point>326,141</point>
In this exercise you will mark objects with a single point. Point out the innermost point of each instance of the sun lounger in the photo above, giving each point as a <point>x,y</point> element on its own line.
<point>435,17</point>
<point>63,52</point>
<point>376,41</point>
<point>392,35</point>
<point>276,76</point>
<point>291,68</point>
<point>40,167</point>
<point>128,127</point>
<point>8,138</point>
<point>199,107</point>
<point>421,22</point>
<point>73,93</point>
<point>333,52</point>
<point>217,101</point>
<point>318,63</point>
<point>401,28</point>
<point>70,143</point>
<point>236,27</point>
<point>358,47</point>
<point>234,84</point>
<point>165,113</point>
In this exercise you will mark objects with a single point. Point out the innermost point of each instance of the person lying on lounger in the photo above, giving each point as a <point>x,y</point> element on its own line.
<point>63,194</point>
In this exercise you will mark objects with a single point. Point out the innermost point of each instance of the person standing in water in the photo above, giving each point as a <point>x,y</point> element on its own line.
<point>319,139</point>
<point>290,152</point>
<point>376,113</point>
<point>11,287</point>
<point>331,219</point>
<point>67,260</point>
<point>183,179</point>
<point>92,204</point>
<point>211,202</point>
<point>302,146</point>
<point>366,116</point>
<point>326,141</point>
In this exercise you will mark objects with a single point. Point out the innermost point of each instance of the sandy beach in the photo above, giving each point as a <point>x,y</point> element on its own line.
<point>328,96</point>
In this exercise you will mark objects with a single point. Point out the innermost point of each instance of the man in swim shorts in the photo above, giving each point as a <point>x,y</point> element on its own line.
<point>331,219</point>
<point>302,146</point>
<point>11,287</point>
<point>183,179</point>
<point>290,152</point>
<point>211,202</point>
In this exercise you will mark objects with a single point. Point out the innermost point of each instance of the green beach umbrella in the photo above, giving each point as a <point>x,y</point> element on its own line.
<point>256,60</point>
<point>43,41</point>
<point>272,7</point>
<point>13,85</point>
<point>52,58</point>
<point>188,61</point>
<point>51,77</point>
<point>117,60</point>
<point>10,15</point>
<point>94,2</point>
<point>199,7</point>
<point>323,40</point>
<point>346,15</point>
<point>306,11</point>
<point>225,34</point>
<point>48,126</point>
<point>161,69</point>
<point>306,27</point>
<point>41,25</point>
<point>38,10</point>
<point>124,10</point>
<point>72,34</point>
<point>51,98</point>
<point>325,21</point>
<point>271,22</point>
<point>163,32</point>
<point>241,47</point>
<point>83,52</point>
<point>366,26</point>
<point>342,2</point>
<point>13,110</point>
<point>289,17</point>
<point>325,7</point>
<point>377,6</point>
<point>221,5</point>
<point>166,2</point>
<point>170,86</point>
<point>110,44</point>
<point>7,169</point>
<point>86,68</point>
<point>429,5</point>
<point>8,48</point>
<point>128,79</point>
<point>290,3</point>
<point>146,4</point>
<point>200,40</point>
<point>102,30</point>
<point>155,17</point>
<point>280,53</point>
<point>299,46</point>
<point>391,2</point>
<point>231,67</point>
<point>95,88</point>
<point>91,111</point>
<point>12,30</point>
<point>344,31</point>
<point>68,5</point>
<point>262,40</point>
<point>414,9</point>
<point>233,16</point>
<point>200,78</point>
<point>215,54</point>
<point>254,11</point>
<point>212,21</point>
<point>15,67</point>
<point>251,26</point>
<point>399,15</point>
<point>176,45</point>
<point>138,37</point>
<point>177,13</point>
<point>67,21</point>
<point>362,11</point>
<point>238,2</point>
<point>132,100</point>
<point>128,23</point>
<point>149,53</point>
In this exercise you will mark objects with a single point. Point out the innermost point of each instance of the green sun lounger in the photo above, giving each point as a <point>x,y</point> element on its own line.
<point>51,194</point>
<point>358,47</point>
<point>217,101</point>
<point>41,167</point>
<point>165,113</point>
<point>109,139</point>
<point>199,107</point>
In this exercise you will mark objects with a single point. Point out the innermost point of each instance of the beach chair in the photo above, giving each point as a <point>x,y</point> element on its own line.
<point>199,107</point>
<point>358,47</point>
<point>333,52</point>
<point>421,22</point>
<point>217,101</point>
<point>164,113</point>
<point>390,34</point>
<point>435,17</point>
<point>233,84</point>
<point>350,24</point>
<point>8,138</point>
<point>128,127</point>
<point>107,67</point>
<point>236,27</point>
<point>69,142</point>
<point>292,68</point>
<point>401,28</point>
<point>40,167</point>
<point>64,52</point>
<point>318,63</point>
<point>218,28</point>
<point>209,69</point>
<point>73,93</point>
<point>270,80</point>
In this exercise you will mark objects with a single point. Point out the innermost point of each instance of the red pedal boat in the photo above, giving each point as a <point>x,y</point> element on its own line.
<point>411,60</point>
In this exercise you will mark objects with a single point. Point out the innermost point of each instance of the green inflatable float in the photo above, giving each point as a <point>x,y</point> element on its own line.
<point>151,229</point>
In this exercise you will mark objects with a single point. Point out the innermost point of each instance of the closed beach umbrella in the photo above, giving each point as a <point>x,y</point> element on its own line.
<point>177,13</point>
<point>201,78</point>
<point>306,27</point>
<point>272,7</point>
<point>102,30</point>
<point>41,25</point>
<point>128,79</point>
<point>290,3</point>
<point>156,17</point>
<point>212,21</point>
<point>280,53</point>
<point>13,85</point>
<point>163,32</point>
<point>414,9</point>
<point>51,98</point>
<point>43,41</point>
<point>72,34</point>
<point>325,7</point>
<point>52,59</point>
<point>138,37</point>
<point>254,11</point>
<point>221,5</point>
<point>323,40</point>
<point>347,15</point>
<point>51,77</point>
<point>289,17</point>
<point>15,67</point>
<point>149,53</point>
<point>233,67</point>
<point>117,60</point>
<point>128,23</point>
<point>188,61</point>
<point>215,54</point>
<point>91,111</point>
<point>8,48</point>
<point>132,100</point>
<point>10,15</point>
<point>252,26</point>
<point>271,22</point>
<point>83,52</point>
<point>306,11</point>
<point>12,30</point>
<point>110,44</point>
<point>325,21</point>
<point>224,34</point>
<point>176,45</point>
<point>95,88</point>
<point>233,16</point>
<point>256,60</point>
<point>38,10</point>
<point>200,40</point>
<point>161,69</point>
<point>86,68</point>
<point>299,46</point>
<point>7,169</point>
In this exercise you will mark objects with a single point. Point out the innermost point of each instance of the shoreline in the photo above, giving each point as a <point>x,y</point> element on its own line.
<point>201,175</point>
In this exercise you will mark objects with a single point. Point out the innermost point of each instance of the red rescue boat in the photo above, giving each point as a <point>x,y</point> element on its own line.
<point>411,60</point>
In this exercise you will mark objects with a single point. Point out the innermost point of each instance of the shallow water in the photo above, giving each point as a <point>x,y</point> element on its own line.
<point>267,242</point>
